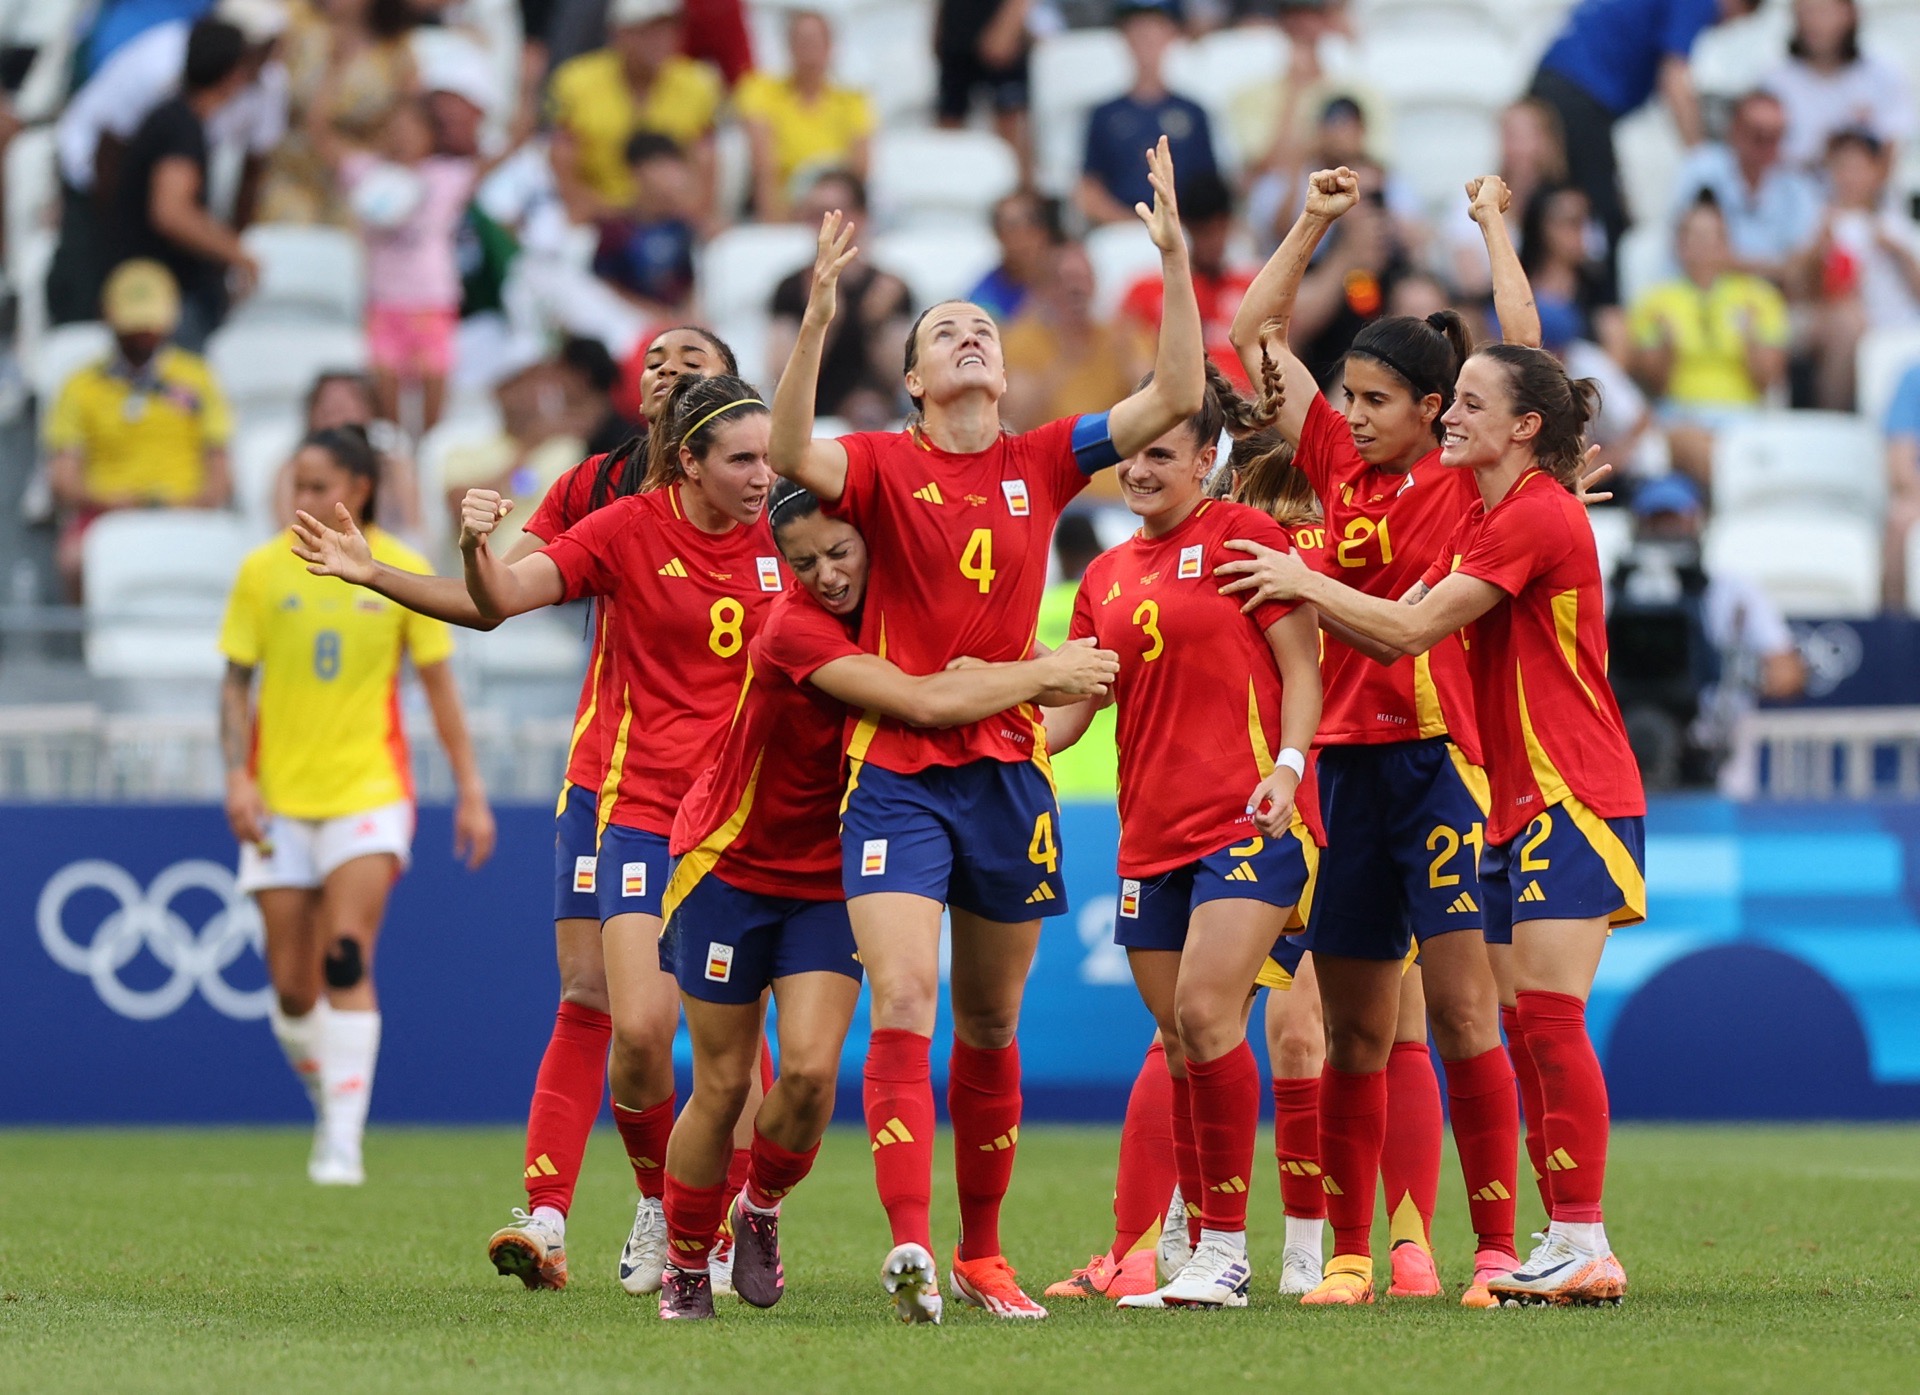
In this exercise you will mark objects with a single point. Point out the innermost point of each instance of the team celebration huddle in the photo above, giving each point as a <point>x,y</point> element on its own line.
<point>1368,757</point>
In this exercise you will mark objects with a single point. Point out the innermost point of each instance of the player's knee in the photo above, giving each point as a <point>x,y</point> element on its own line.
<point>1461,1029</point>
<point>987,1029</point>
<point>592,996</point>
<point>345,965</point>
<point>906,1005</point>
<point>1209,1023</point>
<point>296,1002</point>
<point>1297,1052</point>
<point>1360,1047</point>
<point>807,1090</point>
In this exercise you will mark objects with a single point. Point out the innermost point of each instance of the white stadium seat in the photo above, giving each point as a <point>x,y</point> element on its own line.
<point>157,583</point>
<point>1121,254</point>
<point>33,191</point>
<point>1829,460</point>
<point>1072,73</point>
<point>1884,358</point>
<point>1913,571</point>
<point>269,366</point>
<point>1612,537</point>
<point>548,645</point>
<point>1650,154</point>
<point>935,176</point>
<point>260,448</point>
<point>306,274</point>
<point>741,266</point>
<point>1439,145</point>
<point>1646,259</point>
<point>1812,563</point>
<point>63,351</point>
<point>937,263</point>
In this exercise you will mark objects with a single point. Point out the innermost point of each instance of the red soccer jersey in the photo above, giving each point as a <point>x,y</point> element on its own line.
<point>1382,530</point>
<point>685,606</point>
<point>1548,720</point>
<point>568,500</point>
<point>1198,692</point>
<point>765,816</point>
<point>959,546</point>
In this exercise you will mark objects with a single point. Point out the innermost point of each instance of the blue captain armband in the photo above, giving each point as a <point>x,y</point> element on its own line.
<point>1092,442</point>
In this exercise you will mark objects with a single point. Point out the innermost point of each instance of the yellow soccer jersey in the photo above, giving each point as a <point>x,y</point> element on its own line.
<point>327,738</point>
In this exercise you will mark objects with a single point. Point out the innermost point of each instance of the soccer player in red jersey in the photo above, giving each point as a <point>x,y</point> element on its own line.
<point>1216,712</point>
<point>958,515</point>
<point>1401,787</point>
<point>1565,828</point>
<point>755,901</point>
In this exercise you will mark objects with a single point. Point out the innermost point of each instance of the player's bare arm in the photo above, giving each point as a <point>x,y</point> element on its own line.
<point>500,588</point>
<point>1411,628</point>
<point>792,451</point>
<point>342,550</point>
<point>246,811</point>
<point>1179,366</point>
<point>972,693</point>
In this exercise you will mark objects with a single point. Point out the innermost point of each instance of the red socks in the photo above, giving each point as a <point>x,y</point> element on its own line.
<point>566,1101</point>
<point>645,1133</point>
<point>898,1094</point>
<point>774,1171</point>
<point>1575,1095</point>
<point>1225,1099</point>
<point>1353,1128</point>
<point>1144,1184</point>
<point>1186,1155</point>
<point>1296,1144</point>
<point>1486,1129</point>
<point>1410,1153</point>
<point>1533,1104</point>
<point>737,1172</point>
<point>693,1220</point>
<point>983,1101</point>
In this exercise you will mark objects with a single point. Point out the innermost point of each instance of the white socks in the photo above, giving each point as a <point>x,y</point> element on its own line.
<point>1590,1236</point>
<point>551,1216</point>
<point>1235,1240</point>
<point>303,1039</point>
<point>1306,1234</point>
<point>346,1070</point>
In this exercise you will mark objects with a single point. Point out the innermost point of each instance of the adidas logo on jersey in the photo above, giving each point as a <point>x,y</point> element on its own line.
<point>1493,1191</point>
<point>893,1131</point>
<point>1533,893</point>
<point>929,494</point>
<point>1462,902</point>
<point>674,567</point>
<point>1043,892</point>
<point>1243,873</point>
<point>1112,595</point>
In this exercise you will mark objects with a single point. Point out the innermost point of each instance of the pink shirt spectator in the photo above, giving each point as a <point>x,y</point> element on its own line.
<point>410,265</point>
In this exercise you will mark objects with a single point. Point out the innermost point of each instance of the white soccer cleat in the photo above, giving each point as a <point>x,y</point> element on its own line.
<point>720,1263</point>
<point>644,1259</point>
<point>913,1283</point>
<point>335,1162</point>
<point>1170,1256</point>
<point>1300,1271</point>
<point>1217,1276</point>
<point>1562,1274</point>
<point>532,1250</point>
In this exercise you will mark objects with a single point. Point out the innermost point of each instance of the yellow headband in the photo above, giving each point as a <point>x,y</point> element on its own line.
<point>743,402</point>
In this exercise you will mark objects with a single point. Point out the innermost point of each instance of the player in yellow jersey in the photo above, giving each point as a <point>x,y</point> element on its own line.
<point>319,786</point>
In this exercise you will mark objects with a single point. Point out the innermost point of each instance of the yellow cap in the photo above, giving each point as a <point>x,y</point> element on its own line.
<point>141,298</point>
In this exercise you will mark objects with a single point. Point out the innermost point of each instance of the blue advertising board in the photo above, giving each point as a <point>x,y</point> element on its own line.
<point>1778,975</point>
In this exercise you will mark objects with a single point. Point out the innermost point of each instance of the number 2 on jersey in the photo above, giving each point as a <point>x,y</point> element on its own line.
<point>976,563</point>
<point>727,615</point>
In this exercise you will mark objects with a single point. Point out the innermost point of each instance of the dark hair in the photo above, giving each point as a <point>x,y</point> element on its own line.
<point>327,377</point>
<point>1205,196</point>
<point>389,19</point>
<point>353,452</point>
<point>1849,45</point>
<point>652,145</point>
<point>590,359</point>
<point>1074,541</point>
<point>1860,138</point>
<point>624,471</point>
<point>214,50</point>
<point>1533,223</point>
<point>845,176</point>
<point>1046,211</point>
<point>1537,382</point>
<point>789,503</point>
<point>1424,354</point>
<point>695,410</point>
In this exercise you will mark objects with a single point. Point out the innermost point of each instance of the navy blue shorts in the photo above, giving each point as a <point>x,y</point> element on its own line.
<point>632,871</point>
<point>1570,864</point>
<point>725,945</point>
<point>982,837</point>
<point>1405,822</point>
<point>575,857</point>
<point>1154,911</point>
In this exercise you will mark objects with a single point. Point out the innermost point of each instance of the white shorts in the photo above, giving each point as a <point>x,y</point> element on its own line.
<point>305,852</point>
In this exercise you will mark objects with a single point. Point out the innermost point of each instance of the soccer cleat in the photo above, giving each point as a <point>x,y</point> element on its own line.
<point>645,1256</point>
<point>1561,1274</point>
<point>911,1280</point>
<point>1218,1276</point>
<point>336,1163</point>
<point>531,1250</point>
<point>1300,1271</point>
<point>1488,1265</point>
<point>990,1283</point>
<point>758,1276</point>
<point>1102,1278</point>
<point>720,1263</point>
<point>685,1293</point>
<point>1348,1283</point>
<point>1174,1250</point>
<point>1414,1275</point>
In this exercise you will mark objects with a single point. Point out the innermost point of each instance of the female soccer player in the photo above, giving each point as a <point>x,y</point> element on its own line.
<point>1216,713</point>
<point>958,515</point>
<point>1402,791</point>
<point>573,1071</point>
<point>320,789</point>
<point>755,902</point>
<point>1565,839</point>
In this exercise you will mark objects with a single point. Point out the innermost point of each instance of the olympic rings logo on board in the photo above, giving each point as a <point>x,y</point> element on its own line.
<point>145,919</point>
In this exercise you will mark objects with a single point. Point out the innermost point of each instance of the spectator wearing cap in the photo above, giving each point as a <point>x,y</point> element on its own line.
<point>1219,282</point>
<point>100,120</point>
<point>982,48</point>
<point>1027,226</point>
<point>639,82</point>
<point>1902,430</point>
<point>1772,209</point>
<point>1114,175</point>
<point>144,427</point>
<point>801,124</point>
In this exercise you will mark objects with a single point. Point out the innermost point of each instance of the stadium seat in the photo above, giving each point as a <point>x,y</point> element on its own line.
<point>1433,61</point>
<point>306,274</point>
<point>938,263</point>
<point>741,266</point>
<point>1646,259</point>
<point>1216,69</point>
<point>1072,73</point>
<point>939,177</point>
<point>1731,58</point>
<point>1885,356</point>
<point>1913,571</point>
<point>476,422</point>
<point>1826,459</point>
<point>1812,562</point>
<point>1650,155</point>
<point>269,366</point>
<point>260,448</point>
<point>528,646</point>
<point>1612,536</point>
<point>33,192</point>
<point>63,351</point>
<point>1121,254</point>
<point>1438,145</point>
<point>156,586</point>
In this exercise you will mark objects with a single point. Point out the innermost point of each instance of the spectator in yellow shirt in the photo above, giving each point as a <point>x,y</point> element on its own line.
<point>1710,344</point>
<point>801,124</point>
<point>639,82</point>
<point>144,427</point>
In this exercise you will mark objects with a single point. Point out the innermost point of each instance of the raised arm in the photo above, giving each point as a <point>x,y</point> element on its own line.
<point>1179,383</point>
<point>342,551</point>
<point>500,588</point>
<point>819,465</point>
<point>1488,198</point>
<point>1295,642</point>
<point>961,695</point>
<point>1412,625</point>
<point>1266,311</point>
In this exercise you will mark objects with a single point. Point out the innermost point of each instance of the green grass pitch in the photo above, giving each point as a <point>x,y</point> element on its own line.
<point>183,1260</point>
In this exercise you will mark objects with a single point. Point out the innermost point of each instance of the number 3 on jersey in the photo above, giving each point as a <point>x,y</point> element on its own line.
<point>976,563</point>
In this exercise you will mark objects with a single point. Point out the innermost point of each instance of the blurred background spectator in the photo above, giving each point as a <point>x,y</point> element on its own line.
<point>1772,209</point>
<point>981,47</point>
<point>1866,263</point>
<point>1114,175</point>
<point>1828,84</point>
<point>1027,227</point>
<point>1220,280</point>
<point>1060,359</point>
<point>803,123</point>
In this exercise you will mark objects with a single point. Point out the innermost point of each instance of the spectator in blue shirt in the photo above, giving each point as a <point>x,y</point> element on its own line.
<point>1773,210</point>
<point>1902,430</point>
<point>1605,63</point>
<point>1119,133</point>
<point>1027,225</point>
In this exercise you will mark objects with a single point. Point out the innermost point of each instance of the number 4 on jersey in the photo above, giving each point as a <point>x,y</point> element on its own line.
<point>976,563</point>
